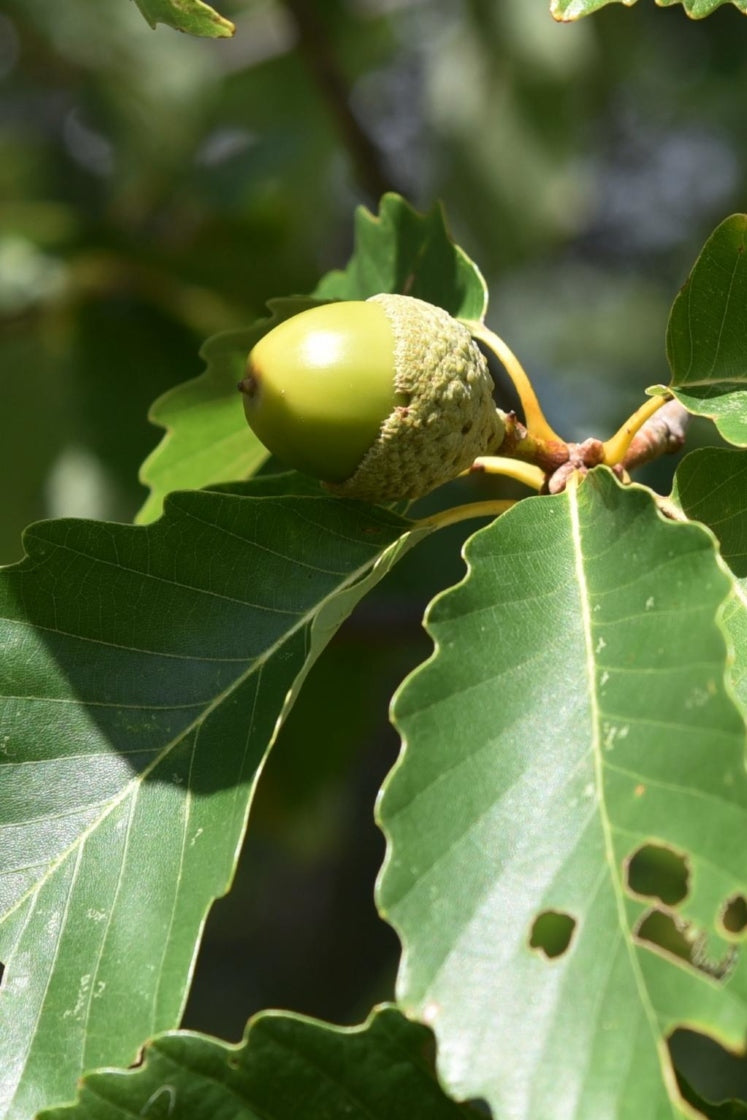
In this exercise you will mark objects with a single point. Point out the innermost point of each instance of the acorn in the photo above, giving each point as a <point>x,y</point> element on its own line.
<point>381,399</point>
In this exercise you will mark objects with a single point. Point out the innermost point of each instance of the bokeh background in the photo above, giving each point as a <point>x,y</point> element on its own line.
<point>155,189</point>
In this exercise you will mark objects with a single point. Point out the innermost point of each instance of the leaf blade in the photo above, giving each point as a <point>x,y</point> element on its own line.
<point>705,333</point>
<point>400,250</point>
<point>191,16</point>
<point>568,10</point>
<point>286,1064</point>
<point>495,815</point>
<point>710,486</point>
<point>146,672</point>
<point>207,440</point>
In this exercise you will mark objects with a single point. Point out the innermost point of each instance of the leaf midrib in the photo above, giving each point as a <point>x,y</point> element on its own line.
<point>257,665</point>
<point>596,749</point>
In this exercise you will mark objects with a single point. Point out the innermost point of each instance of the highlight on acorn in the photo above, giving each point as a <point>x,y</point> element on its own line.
<point>381,399</point>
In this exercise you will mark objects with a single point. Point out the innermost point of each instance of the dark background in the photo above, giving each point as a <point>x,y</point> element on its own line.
<point>155,189</point>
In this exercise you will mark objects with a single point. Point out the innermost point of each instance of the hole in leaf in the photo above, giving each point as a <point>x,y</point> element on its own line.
<point>668,933</point>
<point>656,871</point>
<point>2,972</point>
<point>706,1071</point>
<point>685,941</point>
<point>734,914</point>
<point>552,932</point>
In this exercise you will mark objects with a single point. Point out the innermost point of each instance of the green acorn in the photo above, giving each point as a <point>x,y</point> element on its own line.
<point>382,399</point>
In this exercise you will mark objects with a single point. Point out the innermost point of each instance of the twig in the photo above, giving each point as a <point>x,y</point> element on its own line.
<point>663,434</point>
<point>315,46</point>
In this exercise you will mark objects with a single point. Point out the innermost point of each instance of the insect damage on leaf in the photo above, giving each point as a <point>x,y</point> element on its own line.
<point>664,931</point>
<point>734,915</point>
<point>657,871</point>
<point>552,931</point>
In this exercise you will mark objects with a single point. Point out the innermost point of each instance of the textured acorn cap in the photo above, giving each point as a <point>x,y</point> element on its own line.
<point>449,417</point>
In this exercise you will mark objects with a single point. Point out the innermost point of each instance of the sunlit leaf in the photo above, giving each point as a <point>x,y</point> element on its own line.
<point>399,250</point>
<point>286,1068</point>
<point>144,674</point>
<point>696,9</point>
<point>706,333</point>
<point>699,9</point>
<point>573,716</point>
<point>191,16</point>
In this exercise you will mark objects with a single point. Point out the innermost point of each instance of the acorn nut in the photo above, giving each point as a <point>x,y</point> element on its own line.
<point>382,399</point>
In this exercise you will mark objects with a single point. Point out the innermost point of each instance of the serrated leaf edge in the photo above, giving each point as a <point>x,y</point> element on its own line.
<point>256,665</point>
<point>668,1075</point>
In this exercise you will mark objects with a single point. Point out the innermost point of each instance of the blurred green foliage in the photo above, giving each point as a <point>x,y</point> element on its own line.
<point>156,188</point>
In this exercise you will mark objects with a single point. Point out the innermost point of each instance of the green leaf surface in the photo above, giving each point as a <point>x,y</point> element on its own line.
<point>287,1068</point>
<point>574,712</point>
<point>711,486</point>
<point>707,329</point>
<point>191,16</point>
<point>399,250</point>
<point>567,10</point>
<point>208,440</point>
<point>144,674</point>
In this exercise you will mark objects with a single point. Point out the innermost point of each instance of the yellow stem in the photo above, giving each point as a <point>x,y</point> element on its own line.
<point>527,473</point>
<point>463,513</point>
<point>534,417</point>
<point>616,448</point>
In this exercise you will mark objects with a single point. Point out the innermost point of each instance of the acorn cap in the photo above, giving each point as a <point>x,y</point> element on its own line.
<point>446,417</point>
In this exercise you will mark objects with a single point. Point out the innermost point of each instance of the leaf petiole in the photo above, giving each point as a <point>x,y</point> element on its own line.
<point>456,514</point>
<point>527,473</point>
<point>534,417</point>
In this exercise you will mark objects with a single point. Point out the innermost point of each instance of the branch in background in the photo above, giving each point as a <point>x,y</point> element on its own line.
<point>314,45</point>
<point>663,434</point>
